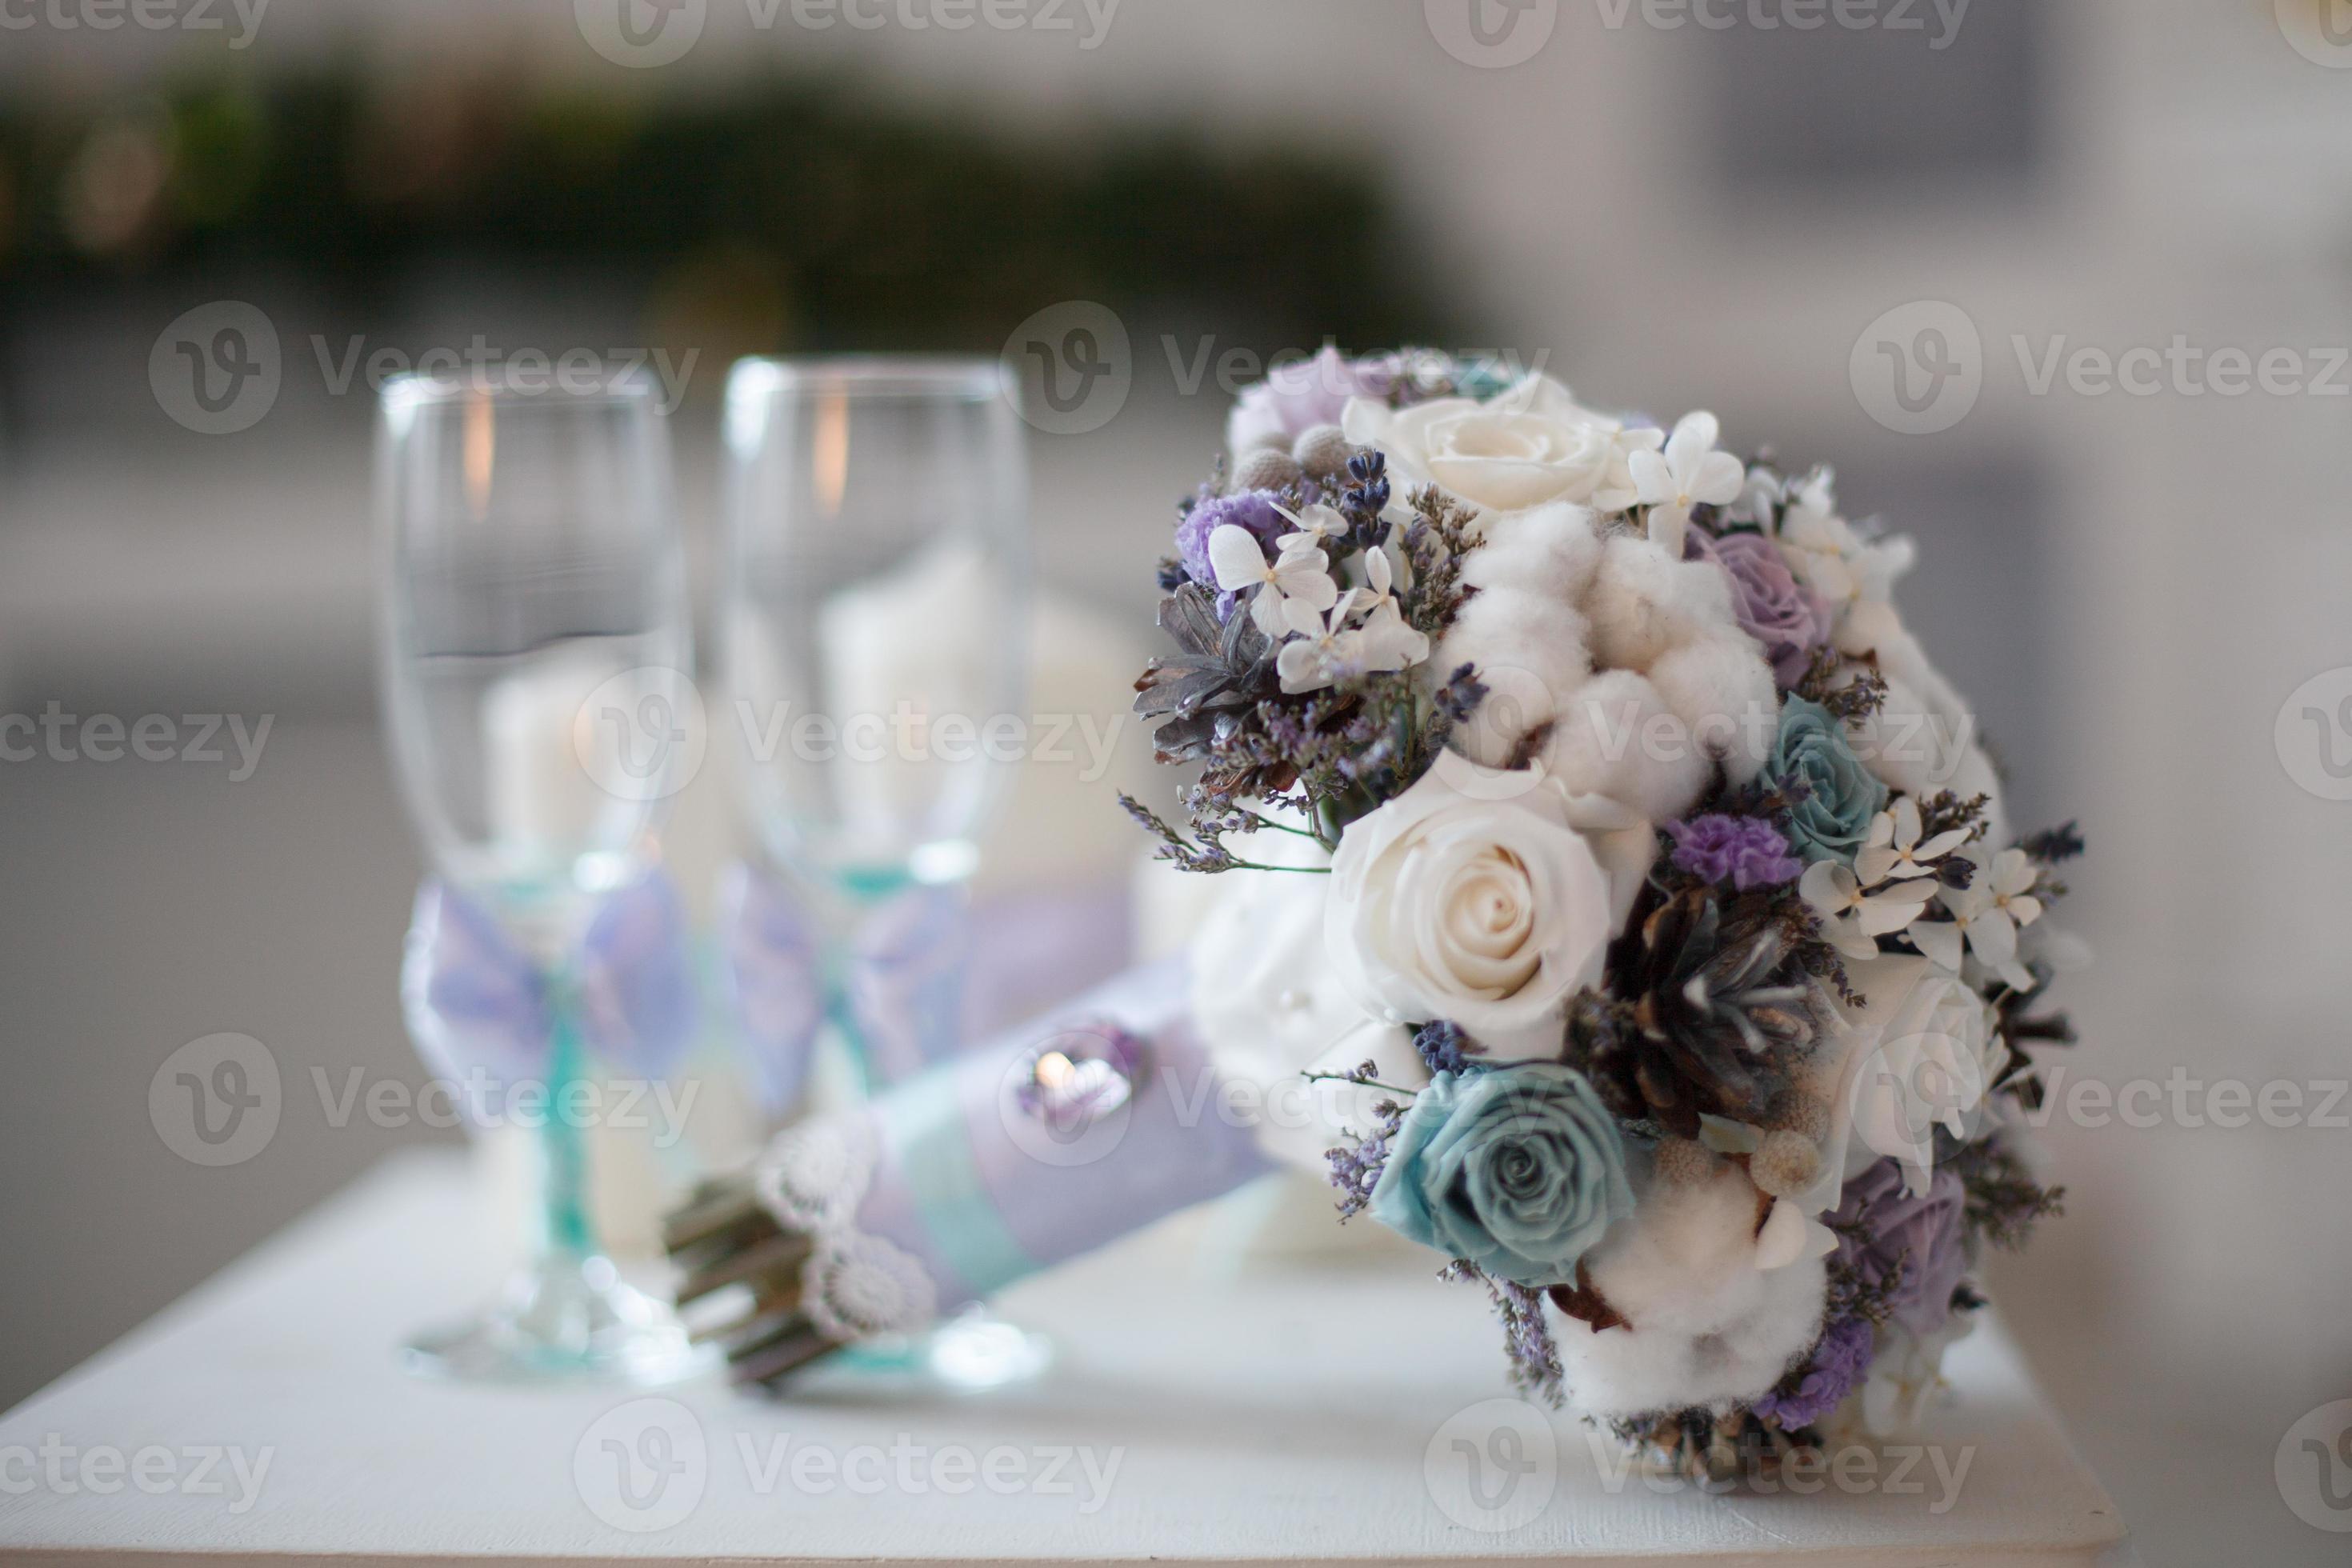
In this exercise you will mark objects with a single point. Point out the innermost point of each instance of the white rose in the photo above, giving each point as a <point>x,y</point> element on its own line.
<point>1520,448</point>
<point>1920,1053</point>
<point>1473,897</point>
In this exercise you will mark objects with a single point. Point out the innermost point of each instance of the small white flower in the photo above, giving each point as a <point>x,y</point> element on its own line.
<point>1894,848</point>
<point>1691,471</point>
<point>1852,919</point>
<point>2015,877</point>
<point>1312,659</point>
<point>1319,525</point>
<point>1325,650</point>
<point>1985,917</point>
<point>1297,574</point>
<point>1387,642</point>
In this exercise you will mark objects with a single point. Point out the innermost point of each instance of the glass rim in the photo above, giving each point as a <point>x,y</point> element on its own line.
<point>972,376</point>
<point>605,386</point>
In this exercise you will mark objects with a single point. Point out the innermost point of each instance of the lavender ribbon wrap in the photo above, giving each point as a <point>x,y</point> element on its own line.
<point>925,972</point>
<point>484,1014</point>
<point>959,1182</point>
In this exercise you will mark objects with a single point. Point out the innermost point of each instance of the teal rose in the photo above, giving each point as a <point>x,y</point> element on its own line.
<point>1519,1169</point>
<point>1810,758</point>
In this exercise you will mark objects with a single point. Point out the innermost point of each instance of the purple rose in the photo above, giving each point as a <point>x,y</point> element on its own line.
<point>1253,509</point>
<point>1836,1365</point>
<point>1296,397</point>
<point>1745,851</point>
<point>1879,1220</point>
<point>1789,619</point>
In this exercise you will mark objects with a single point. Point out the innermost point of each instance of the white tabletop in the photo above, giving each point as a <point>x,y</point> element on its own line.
<point>1290,1415</point>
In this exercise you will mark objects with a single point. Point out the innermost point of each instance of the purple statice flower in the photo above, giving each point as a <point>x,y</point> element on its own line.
<point>1356,1165</point>
<point>1527,1333</point>
<point>1251,510</point>
<point>1745,851</point>
<point>1834,1369</point>
<point>1443,1048</point>
<point>1883,1225</point>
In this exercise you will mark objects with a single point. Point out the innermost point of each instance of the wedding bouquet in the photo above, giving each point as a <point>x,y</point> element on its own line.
<point>1620,904</point>
<point>1638,893</point>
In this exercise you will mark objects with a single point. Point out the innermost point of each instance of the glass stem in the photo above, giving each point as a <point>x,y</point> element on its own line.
<point>858,894</point>
<point>568,1231</point>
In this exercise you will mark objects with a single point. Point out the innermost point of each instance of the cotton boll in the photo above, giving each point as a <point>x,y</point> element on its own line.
<point>1703,1325</point>
<point>1877,631</point>
<point>1641,602</point>
<point>1528,650</point>
<point>1722,689</point>
<point>1615,738</point>
<point>1551,551</point>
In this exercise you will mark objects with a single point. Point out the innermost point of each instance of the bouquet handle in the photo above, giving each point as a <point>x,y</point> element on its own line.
<point>1068,1132</point>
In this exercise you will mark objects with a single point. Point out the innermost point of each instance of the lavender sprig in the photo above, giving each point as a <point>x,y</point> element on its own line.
<point>1527,1333</point>
<point>1357,1164</point>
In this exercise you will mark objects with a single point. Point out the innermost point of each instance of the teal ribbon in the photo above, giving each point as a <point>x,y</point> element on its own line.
<point>925,1130</point>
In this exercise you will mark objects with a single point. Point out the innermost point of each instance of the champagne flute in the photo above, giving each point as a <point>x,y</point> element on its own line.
<point>535,636</point>
<point>874,635</point>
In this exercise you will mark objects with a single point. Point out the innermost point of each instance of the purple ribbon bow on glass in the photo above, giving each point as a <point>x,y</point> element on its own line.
<point>484,1014</point>
<point>896,993</point>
